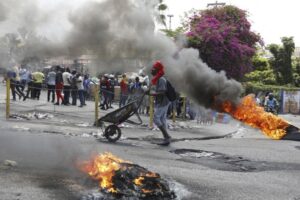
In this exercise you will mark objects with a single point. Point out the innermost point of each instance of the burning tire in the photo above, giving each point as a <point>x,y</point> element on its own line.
<point>112,133</point>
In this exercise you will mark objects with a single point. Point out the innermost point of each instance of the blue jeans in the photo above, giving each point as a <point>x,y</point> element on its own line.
<point>81,97</point>
<point>123,99</point>
<point>160,115</point>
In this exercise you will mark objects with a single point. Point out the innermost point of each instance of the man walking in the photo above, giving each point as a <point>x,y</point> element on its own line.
<point>11,75</point>
<point>158,90</point>
<point>17,82</point>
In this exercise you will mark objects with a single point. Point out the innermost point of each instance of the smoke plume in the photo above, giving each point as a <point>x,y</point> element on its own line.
<point>122,33</point>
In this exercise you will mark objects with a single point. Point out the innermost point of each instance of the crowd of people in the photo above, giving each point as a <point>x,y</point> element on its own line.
<point>66,87</point>
<point>20,78</point>
<point>130,90</point>
<point>61,84</point>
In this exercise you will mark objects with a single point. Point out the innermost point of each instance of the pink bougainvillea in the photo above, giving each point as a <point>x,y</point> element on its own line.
<point>223,37</point>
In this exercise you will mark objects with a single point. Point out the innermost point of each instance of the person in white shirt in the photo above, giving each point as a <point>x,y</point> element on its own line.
<point>80,89</point>
<point>51,85</point>
<point>67,86</point>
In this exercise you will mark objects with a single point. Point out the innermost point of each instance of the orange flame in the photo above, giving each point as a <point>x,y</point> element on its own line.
<point>102,167</point>
<point>252,114</point>
<point>139,181</point>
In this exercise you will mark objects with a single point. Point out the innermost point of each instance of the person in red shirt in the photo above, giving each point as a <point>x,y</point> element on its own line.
<point>59,84</point>
<point>124,90</point>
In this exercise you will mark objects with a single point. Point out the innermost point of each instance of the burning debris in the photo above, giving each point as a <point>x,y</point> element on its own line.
<point>122,179</point>
<point>253,115</point>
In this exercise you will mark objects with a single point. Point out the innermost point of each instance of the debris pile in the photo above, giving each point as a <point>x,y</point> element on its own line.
<point>121,179</point>
<point>29,116</point>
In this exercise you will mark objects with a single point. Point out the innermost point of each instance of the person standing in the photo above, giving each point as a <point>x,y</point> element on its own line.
<point>67,86</point>
<point>11,76</point>
<point>51,85</point>
<point>59,84</point>
<point>29,86</point>
<point>73,83</point>
<point>86,86</point>
<point>124,91</point>
<point>158,90</point>
<point>80,89</point>
<point>130,97</point>
<point>38,78</point>
<point>23,77</point>
<point>17,82</point>
<point>111,90</point>
<point>104,86</point>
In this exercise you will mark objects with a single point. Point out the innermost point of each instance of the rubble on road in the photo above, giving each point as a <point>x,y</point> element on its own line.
<point>10,163</point>
<point>33,115</point>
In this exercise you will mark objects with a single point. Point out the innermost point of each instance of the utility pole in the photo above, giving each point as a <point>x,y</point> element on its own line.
<point>170,21</point>
<point>216,4</point>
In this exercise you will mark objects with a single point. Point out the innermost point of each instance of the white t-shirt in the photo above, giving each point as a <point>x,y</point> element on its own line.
<point>66,76</point>
<point>79,83</point>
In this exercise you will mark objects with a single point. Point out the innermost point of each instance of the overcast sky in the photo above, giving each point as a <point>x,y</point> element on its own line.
<point>272,19</point>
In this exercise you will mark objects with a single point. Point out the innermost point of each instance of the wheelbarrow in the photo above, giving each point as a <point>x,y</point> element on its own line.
<point>112,132</point>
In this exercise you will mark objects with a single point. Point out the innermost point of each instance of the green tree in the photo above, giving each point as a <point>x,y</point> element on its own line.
<point>173,33</point>
<point>262,73</point>
<point>296,73</point>
<point>281,62</point>
<point>224,39</point>
<point>260,63</point>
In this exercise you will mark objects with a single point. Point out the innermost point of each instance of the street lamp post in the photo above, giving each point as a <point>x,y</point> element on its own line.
<point>216,4</point>
<point>170,21</point>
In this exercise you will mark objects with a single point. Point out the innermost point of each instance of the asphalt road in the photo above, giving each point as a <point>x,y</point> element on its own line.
<point>248,167</point>
<point>219,161</point>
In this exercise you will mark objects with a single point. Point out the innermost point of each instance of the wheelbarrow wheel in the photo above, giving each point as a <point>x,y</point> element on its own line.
<point>112,133</point>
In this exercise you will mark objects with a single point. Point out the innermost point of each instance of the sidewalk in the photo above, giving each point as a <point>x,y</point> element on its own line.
<point>82,119</point>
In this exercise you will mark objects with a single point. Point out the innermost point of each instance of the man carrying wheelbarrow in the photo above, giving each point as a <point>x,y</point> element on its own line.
<point>158,90</point>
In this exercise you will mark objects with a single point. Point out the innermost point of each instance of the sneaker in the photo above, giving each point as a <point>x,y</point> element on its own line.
<point>80,106</point>
<point>57,104</point>
<point>165,142</point>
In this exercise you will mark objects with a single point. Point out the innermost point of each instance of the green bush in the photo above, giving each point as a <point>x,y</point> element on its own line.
<point>263,77</point>
<point>257,88</point>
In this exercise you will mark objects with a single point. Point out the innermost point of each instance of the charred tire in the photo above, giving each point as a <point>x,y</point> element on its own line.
<point>112,133</point>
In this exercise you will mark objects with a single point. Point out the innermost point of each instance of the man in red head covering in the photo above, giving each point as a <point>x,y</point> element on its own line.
<point>159,89</point>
